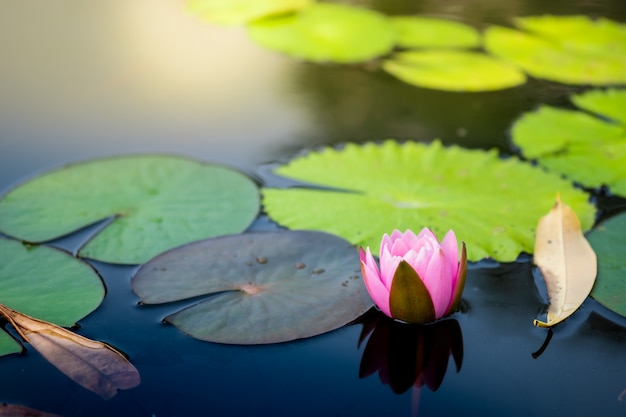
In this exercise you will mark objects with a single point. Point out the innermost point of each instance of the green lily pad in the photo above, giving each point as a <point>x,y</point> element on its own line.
<point>492,204</point>
<point>453,70</point>
<point>45,283</point>
<point>427,32</point>
<point>233,12</point>
<point>157,202</point>
<point>264,287</point>
<point>567,49</point>
<point>327,32</point>
<point>607,240</point>
<point>588,149</point>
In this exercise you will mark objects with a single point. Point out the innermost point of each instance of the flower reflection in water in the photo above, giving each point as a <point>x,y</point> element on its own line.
<point>409,355</point>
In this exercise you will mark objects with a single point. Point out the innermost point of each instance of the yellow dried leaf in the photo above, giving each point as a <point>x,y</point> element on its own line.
<point>94,365</point>
<point>566,261</point>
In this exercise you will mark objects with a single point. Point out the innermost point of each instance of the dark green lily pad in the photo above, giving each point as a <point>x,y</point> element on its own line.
<point>428,32</point>
<point>590,150</point>
<point>492,204</point>
<point>158,202</point>
<point>607,240</point>
<point>327,32</point>
<point>567,49</point>
<point>232,12</point>
<point>262,287</point>
<point>453,70</point>
<point>45,283</point>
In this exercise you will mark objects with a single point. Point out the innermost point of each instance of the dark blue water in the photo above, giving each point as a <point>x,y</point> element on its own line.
<point>85,80</point>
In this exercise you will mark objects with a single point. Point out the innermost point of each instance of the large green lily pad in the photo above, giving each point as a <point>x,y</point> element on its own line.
<point>607,239</point>
<point>327,32</point>
<point>232,12</point>
<point>428,32</point>
<point>453,70</point>
<point>590,150</point>
<point>263,287</point>
<point>567,49</point>
<point>157,202</point>
<point>492,204</point>
<point>45,283</point>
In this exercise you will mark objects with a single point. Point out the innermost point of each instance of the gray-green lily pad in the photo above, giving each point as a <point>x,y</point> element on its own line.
<point>428,32</point>
<point>492,204</point>
<point>233,12</point>
<point>588,149</point>
<point>45,283</point>
<point>327,32</point>
<point>607,240</point>
<point>453,70</point>
<point>567,49</point>
<point>263,287</point>
<point>157,202</point>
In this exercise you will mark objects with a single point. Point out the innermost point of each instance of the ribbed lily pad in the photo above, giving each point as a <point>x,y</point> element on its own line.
<point>263,287</point>
<point>590,150</point>
<point>45,283</point>
<point>232,12</point>
<point>428,32</point>
<point>607,239</point>
<point>567,49</point>
<point>453,70</point>
<point>492,204</point>
<point>327,32</point>
<point>158,202</point>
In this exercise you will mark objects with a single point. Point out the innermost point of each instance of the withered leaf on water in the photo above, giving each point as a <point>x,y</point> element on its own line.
<point>566,261</point>
<point>16,410</point>
<point>94,365</point>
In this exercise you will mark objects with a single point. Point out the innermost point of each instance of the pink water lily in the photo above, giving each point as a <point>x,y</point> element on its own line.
<point>419,280</point>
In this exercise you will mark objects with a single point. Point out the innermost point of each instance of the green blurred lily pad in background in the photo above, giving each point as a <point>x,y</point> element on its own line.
<point>428,32</point>
<point>607,240</point>
<point>263,287</point>
<point>156,202</point>
<point>566,49</point>
<point>453,70</point>
<point>326,32</point>
<point>492,204</point>
<point>588,149</point>
<point>45,283</point>
<point>235,12</point>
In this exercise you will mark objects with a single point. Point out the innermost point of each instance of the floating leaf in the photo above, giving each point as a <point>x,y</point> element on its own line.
<point>453,71</point>
<point>566,261</point>
<point>427,32</point>
<point>233,12</point>
<point>16,410</point>
<point>588,149</point>
<point>94,365</point>
<point>491,203</point>
<point>158,202</point>
<point>607,239</point>
<point>327,32</point>
<point>46,283</point>
<point>567,49</point>
<point>265,287</point>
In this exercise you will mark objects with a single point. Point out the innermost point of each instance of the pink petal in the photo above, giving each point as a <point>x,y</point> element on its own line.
<point>409,238</point>
<point>438,283</point>
<point>388,266</point>
<point>451,251</point>
<point>399,248</point>
<point>426,232</point>
<point>376,289</point>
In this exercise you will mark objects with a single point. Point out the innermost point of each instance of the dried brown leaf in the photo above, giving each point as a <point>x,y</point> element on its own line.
<point>94,365</point>
<point>566,261</point>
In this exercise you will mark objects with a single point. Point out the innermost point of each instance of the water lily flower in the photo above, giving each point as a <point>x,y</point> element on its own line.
<point>420,280</point>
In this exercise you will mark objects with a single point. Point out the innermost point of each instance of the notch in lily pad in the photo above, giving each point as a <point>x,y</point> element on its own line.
<point>258,288</point>
<point>154,202</point>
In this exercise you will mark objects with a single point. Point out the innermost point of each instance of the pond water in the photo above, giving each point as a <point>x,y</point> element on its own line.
<point>83,80</point>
